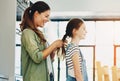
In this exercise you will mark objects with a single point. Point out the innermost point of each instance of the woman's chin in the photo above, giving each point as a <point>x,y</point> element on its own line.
<point>41,26</point>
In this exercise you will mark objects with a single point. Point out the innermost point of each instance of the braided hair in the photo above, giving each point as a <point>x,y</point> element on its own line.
<point>74,23</point>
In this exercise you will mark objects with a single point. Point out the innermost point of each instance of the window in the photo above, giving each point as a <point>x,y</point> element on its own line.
<point>88,53</point>
<point>104,42</point>
<point>118,57</point>
<point>101,39</point>
<point>51,31</point>
<point>18,53</point>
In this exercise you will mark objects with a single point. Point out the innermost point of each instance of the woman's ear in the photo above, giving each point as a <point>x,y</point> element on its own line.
<point>36,13</point>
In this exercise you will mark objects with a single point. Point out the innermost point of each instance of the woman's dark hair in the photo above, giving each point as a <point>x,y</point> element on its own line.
<point>27,20</point>
<point>74,23</point>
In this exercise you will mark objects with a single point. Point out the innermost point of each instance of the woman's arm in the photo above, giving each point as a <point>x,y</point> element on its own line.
<point>76,65</point>
<point>30,44</point>
<point>56,44</point>
<point>52,55</point>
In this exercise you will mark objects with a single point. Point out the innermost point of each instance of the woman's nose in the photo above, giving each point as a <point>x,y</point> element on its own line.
<point>47,20</point>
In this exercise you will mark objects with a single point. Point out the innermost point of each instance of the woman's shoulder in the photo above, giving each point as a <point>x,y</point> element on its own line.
<point>28,31</point>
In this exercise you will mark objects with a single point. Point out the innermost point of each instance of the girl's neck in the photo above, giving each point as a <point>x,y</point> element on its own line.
<point>75,41</point>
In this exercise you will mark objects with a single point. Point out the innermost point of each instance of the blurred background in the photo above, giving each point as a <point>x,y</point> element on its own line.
<point>101,45</point>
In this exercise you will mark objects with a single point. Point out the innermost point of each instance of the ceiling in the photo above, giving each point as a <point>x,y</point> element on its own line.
<point>87,9</point>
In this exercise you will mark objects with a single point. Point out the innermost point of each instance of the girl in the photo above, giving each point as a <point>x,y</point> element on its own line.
<point>76,67</point>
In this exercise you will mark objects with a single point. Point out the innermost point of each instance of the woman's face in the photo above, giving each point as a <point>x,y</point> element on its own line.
<point>81,32</point>
<point>41,18</point>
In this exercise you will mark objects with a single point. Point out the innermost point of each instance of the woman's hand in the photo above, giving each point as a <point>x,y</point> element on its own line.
<point>52,55</point>
<point>58,43</point>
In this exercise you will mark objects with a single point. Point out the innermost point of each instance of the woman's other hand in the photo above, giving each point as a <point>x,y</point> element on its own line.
<point>58,43</point>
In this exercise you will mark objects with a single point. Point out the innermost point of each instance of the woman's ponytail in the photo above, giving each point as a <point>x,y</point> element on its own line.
<point>26,19</point>
<point>28,23</point>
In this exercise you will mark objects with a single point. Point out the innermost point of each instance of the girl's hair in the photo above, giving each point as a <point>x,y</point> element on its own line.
<point>74,23</point>
<point>27,20</point>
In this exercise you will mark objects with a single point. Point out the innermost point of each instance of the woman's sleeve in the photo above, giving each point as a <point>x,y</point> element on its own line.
<point>30,44</point>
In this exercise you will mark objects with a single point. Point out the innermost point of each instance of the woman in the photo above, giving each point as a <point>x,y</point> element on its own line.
<point>34,51</point>
<point>76,67</point>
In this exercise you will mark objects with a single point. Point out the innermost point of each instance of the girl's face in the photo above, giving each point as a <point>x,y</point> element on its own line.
<point>41,18</point>
<point>81,32</point>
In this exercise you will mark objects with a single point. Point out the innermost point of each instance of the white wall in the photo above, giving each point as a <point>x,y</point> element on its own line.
<point>84,5</point>
<point>109,9</point>
<point>7,37</point>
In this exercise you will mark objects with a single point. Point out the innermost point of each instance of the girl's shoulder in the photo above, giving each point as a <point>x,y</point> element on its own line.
<point>72,46</point>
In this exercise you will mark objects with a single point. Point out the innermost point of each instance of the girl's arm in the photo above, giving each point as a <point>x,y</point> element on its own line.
<point>76,65</point>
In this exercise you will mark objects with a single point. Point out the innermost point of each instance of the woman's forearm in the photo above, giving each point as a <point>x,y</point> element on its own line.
<point>48,50</point>
<point>56,44</point>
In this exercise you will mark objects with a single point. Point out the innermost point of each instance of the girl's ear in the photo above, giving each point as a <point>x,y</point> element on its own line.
<point>74,31</point>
